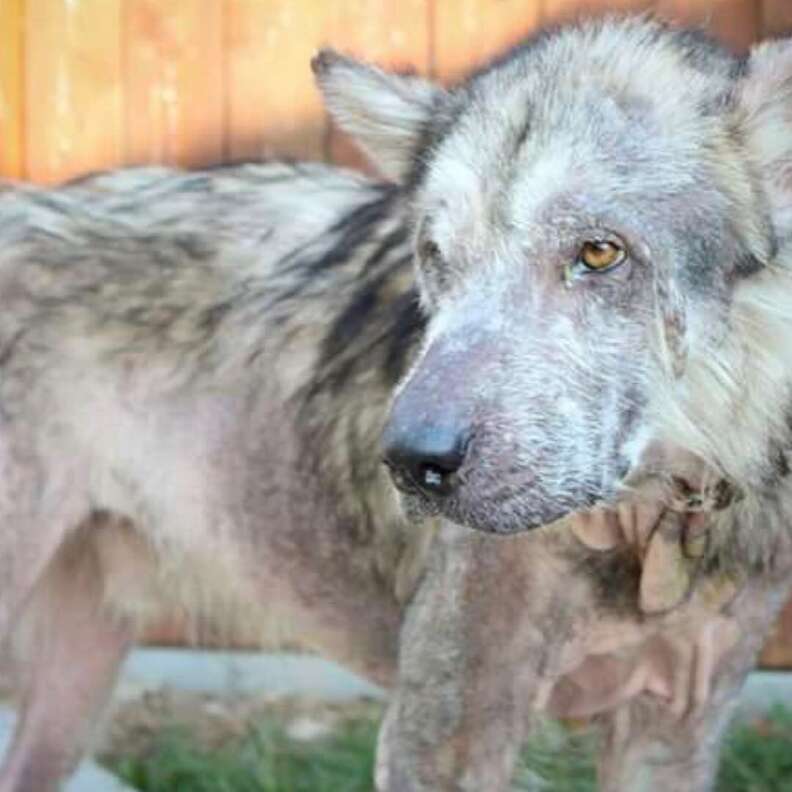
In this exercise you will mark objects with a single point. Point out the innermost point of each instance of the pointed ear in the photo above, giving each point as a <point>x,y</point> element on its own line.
<point>386,114</point>
<point>766,99</point>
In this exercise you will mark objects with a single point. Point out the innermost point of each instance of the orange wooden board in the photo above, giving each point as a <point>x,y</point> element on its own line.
<point>777,652</point>
<point>735,22</point>
<point>776,17</point>
<point>565,10</point>
<point>174,81</point>
<point>273,106</point>
<point>393,35</point>
<point>470,32</point>
<point>72,87</point>
<point>11,90</point>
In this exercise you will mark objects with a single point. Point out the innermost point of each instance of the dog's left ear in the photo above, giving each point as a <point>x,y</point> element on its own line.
<point>765,94</point>
<point>386,114</point>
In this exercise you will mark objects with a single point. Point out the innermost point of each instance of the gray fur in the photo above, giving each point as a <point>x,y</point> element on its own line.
<point>197,369</point>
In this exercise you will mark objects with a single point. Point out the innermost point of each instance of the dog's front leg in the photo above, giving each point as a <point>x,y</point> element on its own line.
<point>655,745</point>
<point>71,653</point>
<point>467,667</point>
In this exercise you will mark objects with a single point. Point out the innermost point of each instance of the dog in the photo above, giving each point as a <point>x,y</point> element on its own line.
<point>563,318</point>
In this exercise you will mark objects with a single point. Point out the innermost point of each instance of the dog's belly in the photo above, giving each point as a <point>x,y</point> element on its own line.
<point>260,595</point>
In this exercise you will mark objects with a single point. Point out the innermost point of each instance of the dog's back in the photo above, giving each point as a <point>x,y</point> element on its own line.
<point>179,356</point>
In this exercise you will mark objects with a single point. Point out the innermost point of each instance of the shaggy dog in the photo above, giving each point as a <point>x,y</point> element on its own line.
<point>594,341</point>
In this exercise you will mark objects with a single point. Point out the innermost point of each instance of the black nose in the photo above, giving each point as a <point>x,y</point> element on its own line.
<point>426,458</point>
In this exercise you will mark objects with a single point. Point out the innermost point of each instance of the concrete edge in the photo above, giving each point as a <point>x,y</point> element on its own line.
<point>282,675</point>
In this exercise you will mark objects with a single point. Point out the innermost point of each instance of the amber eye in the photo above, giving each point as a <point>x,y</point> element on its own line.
<point>600,255</point>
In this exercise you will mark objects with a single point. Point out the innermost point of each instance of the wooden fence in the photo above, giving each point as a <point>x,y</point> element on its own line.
<point>89,84</point>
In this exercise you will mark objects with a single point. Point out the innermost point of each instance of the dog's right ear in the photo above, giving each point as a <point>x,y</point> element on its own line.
<point>386,114</point>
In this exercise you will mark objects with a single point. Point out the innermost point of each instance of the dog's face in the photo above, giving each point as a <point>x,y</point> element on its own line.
<point>583,211</point>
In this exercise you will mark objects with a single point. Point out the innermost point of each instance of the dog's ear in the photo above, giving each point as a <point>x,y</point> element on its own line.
<point>386,114</point>
<point>766,101</point>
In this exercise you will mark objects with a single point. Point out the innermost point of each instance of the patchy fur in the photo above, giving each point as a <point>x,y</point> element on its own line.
<point>196,369</point>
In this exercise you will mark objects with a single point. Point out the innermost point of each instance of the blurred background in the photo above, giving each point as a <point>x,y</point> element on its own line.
<point>93,84</point>
<point>87,84</point>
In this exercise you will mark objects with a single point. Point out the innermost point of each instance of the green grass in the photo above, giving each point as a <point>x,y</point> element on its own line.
<point>562,759</point>
<point>757,758</point>
<point>264,760</point>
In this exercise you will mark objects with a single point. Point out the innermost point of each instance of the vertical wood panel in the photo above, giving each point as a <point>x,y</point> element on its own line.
<point>11,90</point>
<point>776,17</point>
<point>735,22</point>
<point>394,35</point>
<point>273,106</point>
<point>72,87</point>
<point>469,32</point>
<point>565,10</point>
<point>173,81</point>
<point>777,652</point>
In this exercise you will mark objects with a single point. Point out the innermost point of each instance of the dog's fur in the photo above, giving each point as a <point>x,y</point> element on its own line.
<point>197,368</point>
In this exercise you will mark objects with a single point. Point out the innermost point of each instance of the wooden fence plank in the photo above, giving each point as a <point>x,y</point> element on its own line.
<point>273,105</point>
<point>735,22</point>
<point>394,35</point>
<point>469,32</point>
<point>11,90</point>
<point>72,87</point>
<point>565,10</point>
<point>174,81</point>
<point>776,17</point>
<point>777,652</point>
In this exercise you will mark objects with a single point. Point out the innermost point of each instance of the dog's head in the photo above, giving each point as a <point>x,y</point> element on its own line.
<point>585,211</point>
